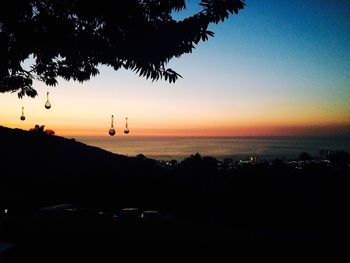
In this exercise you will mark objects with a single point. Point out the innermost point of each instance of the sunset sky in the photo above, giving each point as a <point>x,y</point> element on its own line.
<point>277,68</point>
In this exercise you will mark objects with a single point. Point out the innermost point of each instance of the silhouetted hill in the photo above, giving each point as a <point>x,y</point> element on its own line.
<point>258,204</point>
<point>39,169</point>
<point>29,152</point>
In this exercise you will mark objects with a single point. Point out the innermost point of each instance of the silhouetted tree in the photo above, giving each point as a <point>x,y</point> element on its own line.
<point>199,166</point>
<point>339,157</point>
<point>38,128</point>
<point>141,156</point>
<point>70,38</point>
<point>304,156</point>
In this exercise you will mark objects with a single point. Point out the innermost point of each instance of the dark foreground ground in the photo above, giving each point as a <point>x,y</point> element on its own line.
<point>61,200</point>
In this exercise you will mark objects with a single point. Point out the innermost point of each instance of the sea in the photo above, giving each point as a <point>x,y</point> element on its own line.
<point>236,148</point>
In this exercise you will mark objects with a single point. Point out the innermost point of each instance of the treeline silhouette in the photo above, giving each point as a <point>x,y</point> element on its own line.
<point>256,202</point>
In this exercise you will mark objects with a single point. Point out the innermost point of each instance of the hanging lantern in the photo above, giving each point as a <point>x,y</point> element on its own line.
<point>47,104</point>
<point>126,131</point>
<point>22,116</point>
<point>112,130</point>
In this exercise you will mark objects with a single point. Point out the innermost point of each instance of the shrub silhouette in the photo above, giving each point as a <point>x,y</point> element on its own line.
<point>40,129</point>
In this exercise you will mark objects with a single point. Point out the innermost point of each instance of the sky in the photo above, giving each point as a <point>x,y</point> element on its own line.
<point>278,68</point>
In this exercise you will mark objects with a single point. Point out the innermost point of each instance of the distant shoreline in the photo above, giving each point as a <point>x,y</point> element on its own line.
<point>210,137</point>
<point>237,148</point>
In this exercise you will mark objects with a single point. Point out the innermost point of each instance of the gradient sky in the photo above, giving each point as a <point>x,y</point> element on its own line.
<point>277,68</point>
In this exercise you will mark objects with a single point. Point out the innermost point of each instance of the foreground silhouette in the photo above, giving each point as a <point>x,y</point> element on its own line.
<point>61,193</point>
<point>70,38</point>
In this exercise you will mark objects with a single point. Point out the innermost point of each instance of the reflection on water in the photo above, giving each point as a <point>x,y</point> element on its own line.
<point>178,148</point>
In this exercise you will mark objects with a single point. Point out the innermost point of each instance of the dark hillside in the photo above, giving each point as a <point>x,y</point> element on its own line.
<point>267,206</point>
<point>30,152</point>
<point>39,169</point>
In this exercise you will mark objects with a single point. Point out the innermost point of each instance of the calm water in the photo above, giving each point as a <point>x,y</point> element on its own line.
<point>178,148</point>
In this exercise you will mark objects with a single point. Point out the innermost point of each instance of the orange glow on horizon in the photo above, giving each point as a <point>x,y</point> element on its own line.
<point>326,129</point>
<point>182,115</point>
